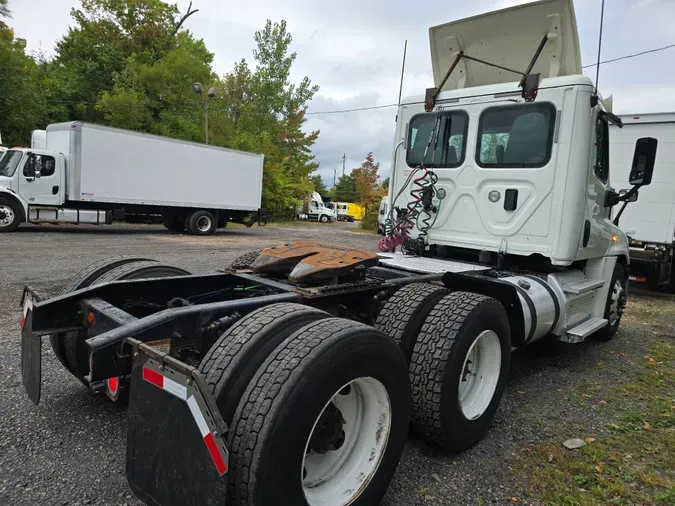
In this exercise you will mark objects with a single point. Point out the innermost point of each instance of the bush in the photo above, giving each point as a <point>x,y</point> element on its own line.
<point>369,221</point>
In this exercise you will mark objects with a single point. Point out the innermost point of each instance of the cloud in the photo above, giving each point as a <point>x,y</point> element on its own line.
<point>352,49</point>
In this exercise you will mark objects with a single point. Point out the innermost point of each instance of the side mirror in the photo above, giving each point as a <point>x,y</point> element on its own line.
<point>643,161</point>
<point>632,198</point>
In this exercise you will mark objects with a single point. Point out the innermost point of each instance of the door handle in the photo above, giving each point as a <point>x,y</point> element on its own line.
<point>55,190</point>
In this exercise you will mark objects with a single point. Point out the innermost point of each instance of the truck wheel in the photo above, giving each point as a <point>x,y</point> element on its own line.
<point>82,280</point>
<point>201,223</point>
<point>403,314</point>
<point>173,223</point>
<point>332,404</point>
<point>10,215</point>
<point>323,218</point>
<point>616,302</point>
<point>73,343</point>
<point>459,369</point>
<point>234,359</point>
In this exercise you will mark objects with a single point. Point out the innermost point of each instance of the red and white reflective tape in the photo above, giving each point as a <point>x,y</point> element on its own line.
<point>165,383</point>
<point>27,306</point>
<point>180,391</point>
<point>209,440</point>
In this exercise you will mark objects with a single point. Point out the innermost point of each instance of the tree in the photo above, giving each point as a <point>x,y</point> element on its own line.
<point>345,190</point>
<point>318,185</point>
<point>23,100</point>
<point>4,10</point>
<point>385,184</point>
<point>365,178</point>
<point>265,113</point>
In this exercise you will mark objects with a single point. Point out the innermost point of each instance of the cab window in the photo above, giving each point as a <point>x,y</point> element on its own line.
<point>601,149</point>
<point>448,145</point>
<point>518,136</point>
<point>45,165</point>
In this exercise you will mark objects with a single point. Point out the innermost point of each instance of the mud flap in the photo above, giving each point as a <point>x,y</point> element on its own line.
<point>31,351</point>
<point>175,450</point>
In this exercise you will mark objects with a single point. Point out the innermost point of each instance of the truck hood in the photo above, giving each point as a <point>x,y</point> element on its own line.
<point>508,37</point>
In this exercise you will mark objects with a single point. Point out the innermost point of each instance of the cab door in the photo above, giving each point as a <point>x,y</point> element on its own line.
<point>598,228</point>
<point>41,180</point>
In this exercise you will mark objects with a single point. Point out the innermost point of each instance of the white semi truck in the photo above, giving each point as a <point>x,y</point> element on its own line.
<point>83,173</point>
<point>294,376</point>
<point>650,222</point>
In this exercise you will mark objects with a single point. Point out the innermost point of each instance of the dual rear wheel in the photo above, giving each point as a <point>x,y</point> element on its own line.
<point>318,407</point>
<point>458,346</point>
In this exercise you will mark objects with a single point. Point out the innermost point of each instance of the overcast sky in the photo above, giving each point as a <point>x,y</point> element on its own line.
<point>353,48</point>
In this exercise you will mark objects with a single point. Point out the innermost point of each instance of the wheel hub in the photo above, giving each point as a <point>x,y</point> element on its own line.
<point>328,434</point>
<point>6,216</point>
<point>347,442</point>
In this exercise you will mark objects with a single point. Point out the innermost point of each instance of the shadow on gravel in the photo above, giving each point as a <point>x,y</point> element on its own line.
<point>119,230</point>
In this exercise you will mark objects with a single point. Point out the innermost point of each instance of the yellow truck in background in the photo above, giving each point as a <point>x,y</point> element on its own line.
<point>348,211</point>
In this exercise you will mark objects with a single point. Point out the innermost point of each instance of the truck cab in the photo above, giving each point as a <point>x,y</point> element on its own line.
<point>505,162</point>
<point>30,178</point>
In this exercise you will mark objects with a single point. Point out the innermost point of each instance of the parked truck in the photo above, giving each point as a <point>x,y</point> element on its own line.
<point>294,376</point>
<point>317,210</point>
<point>83,173</point>
<point>650,222</point>
<point>348,211</point>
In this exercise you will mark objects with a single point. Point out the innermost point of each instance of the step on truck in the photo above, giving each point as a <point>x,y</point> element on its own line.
<point>294,375</point>
<point>82,173</point>
<point>650,222</point>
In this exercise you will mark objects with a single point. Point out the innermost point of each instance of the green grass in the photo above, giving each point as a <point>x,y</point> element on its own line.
<point>633,463</point>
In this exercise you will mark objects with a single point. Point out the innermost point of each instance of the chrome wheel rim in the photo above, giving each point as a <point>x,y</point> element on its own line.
<point>6,216</point>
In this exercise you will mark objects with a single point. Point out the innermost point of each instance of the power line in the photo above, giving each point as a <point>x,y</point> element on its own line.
<point>626,57</point>
<point>352,110</point>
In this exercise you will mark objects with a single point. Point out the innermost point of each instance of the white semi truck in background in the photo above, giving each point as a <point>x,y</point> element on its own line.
<point>649,223</point>
<point>83,173</point>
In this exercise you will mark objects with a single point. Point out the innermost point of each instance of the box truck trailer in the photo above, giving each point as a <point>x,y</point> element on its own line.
<point>650,222</point>
<point>84,173</point>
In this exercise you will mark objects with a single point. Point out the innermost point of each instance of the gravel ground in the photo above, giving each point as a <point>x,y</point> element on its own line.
<point>70,450</point>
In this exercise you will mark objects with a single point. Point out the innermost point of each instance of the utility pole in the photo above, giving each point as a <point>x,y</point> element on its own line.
<point>344,159</point>
<point>334,174</point>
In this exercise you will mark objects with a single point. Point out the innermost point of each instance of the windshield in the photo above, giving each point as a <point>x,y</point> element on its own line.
<point>9,162</point>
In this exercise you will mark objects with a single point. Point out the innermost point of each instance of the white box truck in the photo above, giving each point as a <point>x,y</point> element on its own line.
<point>649,223</point>
<point>84,173</point>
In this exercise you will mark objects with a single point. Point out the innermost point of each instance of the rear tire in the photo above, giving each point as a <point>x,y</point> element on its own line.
<point>459,370</point>
<point>10,215</point>
<point>201,223</point>
<point>76,352</point>
<point>82,280</point>
<point>332,400</point>
<point>403,314</point>
<point>231,363</point>
<point>616,302</point>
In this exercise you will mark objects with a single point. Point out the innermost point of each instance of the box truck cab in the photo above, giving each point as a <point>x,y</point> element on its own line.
<point>82,173</point>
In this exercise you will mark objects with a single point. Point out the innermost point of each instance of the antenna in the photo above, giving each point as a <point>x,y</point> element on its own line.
<point>400,88</point>
<point>597,69</point>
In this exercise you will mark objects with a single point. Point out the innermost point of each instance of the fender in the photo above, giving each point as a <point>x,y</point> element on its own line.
<point>9,194</point>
